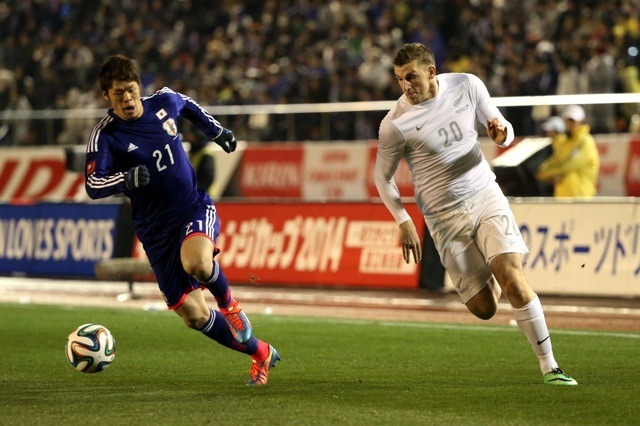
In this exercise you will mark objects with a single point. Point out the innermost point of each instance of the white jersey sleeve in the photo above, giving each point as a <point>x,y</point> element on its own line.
<point>390,152</point>
<point>485,110</point>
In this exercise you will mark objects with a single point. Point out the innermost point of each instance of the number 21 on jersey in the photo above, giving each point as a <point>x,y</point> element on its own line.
<point>158,155</point>
<point>190,229</point>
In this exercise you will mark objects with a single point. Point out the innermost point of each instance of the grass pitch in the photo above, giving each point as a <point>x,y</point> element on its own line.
<point>332,372</point>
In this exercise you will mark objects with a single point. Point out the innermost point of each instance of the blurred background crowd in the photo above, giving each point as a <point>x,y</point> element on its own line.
<point>311,51</point>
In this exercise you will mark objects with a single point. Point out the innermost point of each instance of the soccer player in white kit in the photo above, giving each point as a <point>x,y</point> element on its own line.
<point>433,126</point>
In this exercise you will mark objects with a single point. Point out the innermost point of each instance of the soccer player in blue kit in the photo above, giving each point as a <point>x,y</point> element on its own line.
<point>136,150</point>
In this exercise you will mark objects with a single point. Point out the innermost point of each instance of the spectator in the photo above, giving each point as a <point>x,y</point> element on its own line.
<point>76,128</point>
<point>574,164</point>
<point>12,99</point>
<point>601,75</point>
<point>213,45</point>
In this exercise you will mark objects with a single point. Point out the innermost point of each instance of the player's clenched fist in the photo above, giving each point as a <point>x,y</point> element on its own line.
<point>226,140</point>
<point>137,177</point>
<point>497,131</point>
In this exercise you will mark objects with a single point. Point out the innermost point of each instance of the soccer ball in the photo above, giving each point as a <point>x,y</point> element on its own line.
<point>90,348</point>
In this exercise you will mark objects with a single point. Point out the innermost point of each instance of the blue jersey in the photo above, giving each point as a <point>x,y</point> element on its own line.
<point>116,145</point>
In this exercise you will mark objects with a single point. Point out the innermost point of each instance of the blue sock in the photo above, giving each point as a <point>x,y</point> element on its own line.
<point>216,328</point>
<point>219,286</point>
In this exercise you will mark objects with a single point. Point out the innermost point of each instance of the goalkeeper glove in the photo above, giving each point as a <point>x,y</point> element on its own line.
<point>226,140</point>
<point>137,177</point>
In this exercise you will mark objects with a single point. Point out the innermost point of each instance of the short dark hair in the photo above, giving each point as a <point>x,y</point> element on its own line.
<point>117,68</point>
<point>414,51</point>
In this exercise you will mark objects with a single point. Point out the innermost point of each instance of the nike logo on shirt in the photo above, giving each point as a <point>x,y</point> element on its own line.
<point>421,126</point>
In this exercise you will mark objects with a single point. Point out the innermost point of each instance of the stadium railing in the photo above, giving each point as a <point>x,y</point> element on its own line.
<point>76,122</point>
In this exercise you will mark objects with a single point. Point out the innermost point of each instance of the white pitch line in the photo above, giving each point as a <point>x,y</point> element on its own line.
<point>430,303</point>
<point>436,326</point>
<point>501,328</point>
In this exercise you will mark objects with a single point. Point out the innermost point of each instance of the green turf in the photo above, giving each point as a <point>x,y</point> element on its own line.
<point>332,372</point>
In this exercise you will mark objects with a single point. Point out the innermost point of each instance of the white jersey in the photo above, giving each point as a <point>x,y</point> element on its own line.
<point>439,141</point>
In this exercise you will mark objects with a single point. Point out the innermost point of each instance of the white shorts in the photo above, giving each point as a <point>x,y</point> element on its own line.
<point>471,234</point>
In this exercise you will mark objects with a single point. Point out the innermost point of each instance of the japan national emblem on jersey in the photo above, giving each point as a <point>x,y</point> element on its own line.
<point>161,114</point>
<point>170,127</point>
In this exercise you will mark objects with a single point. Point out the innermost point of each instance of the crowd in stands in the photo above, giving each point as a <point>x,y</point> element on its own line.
<point>310,51</point>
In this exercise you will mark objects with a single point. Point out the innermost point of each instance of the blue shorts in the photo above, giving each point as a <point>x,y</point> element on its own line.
<point>172,279</point>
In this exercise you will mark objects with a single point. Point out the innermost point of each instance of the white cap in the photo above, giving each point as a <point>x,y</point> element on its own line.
<point>553,124</point>
<point>574,112</point>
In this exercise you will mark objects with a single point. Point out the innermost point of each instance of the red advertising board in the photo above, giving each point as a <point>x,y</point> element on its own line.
<point>339,244</point>
<point>36,174</point>
<point>303,171</point>
<point>267,171</point>
<point>336,171</point>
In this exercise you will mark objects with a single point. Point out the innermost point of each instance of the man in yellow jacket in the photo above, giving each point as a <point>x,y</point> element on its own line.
<point>574,164</point>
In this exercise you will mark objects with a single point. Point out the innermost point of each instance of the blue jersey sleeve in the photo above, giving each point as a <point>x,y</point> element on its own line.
<point>189,109</point>
<point>100,181</point>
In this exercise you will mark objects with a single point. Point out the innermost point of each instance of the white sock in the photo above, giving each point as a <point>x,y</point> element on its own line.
<point>530,319</point>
